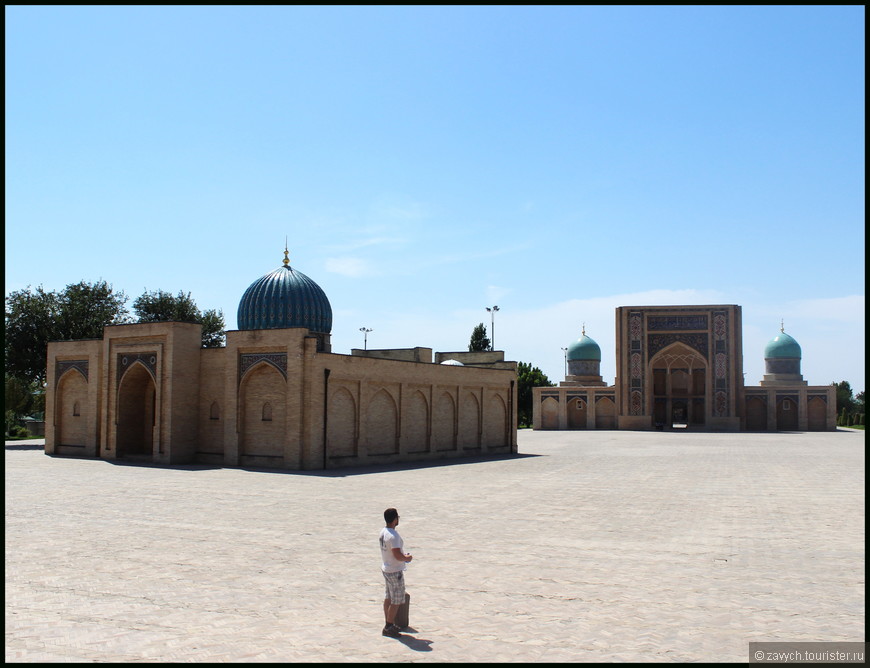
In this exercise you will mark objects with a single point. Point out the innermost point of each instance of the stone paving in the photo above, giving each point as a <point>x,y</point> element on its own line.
<point>599,546</point>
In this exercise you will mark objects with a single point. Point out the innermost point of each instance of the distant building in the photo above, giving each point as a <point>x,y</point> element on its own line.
<point>681,367</point>
<point>275,396</point>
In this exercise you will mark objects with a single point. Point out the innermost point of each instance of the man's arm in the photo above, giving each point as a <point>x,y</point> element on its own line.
<point>397,553</point>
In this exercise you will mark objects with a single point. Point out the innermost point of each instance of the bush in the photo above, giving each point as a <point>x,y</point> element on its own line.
<point>19,432</point>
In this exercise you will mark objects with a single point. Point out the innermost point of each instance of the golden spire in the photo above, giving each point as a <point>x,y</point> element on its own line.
<point>583,329</point>
<point>286,254</point>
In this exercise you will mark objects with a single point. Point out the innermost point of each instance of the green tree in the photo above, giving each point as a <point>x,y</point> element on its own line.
<point>18,396</point>
<point>527,378</point>
<point>479,340</point>
<point>160,306</point>
<point>21,398</point>
<point>34,317</point>
<point>845,401</point>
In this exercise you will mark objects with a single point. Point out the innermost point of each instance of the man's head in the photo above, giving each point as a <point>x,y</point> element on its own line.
<point>391,517</point>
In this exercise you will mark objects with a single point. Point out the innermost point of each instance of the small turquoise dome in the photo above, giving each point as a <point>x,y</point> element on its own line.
<point>782,346</point>
<point>285,298</point>
<point>584,348</point>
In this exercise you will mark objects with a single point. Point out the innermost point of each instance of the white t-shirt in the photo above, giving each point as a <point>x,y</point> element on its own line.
<point>389,539</point>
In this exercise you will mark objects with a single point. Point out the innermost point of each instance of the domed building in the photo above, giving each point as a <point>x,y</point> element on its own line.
<point>276,395</point>
<point>582,400</point>
<point>681,367</point>
<point>782,360</point>
<point>784,401</point>
<point>584,362</point>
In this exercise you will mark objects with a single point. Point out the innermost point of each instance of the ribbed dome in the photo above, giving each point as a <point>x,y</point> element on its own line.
<point>285,298</point>
<point>782,346</point>
<point>584,348</point>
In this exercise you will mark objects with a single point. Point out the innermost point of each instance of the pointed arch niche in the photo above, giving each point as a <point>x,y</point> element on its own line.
<point>262,402</point>
<point>72,418</point>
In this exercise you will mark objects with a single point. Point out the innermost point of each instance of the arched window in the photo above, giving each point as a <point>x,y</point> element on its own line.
<point>267,412</point>
<point>214,411</point>
<point>76,411</point>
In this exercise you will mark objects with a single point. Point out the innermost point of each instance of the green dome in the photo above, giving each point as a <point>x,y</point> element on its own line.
<point>584,348</point>
<point>782,346</point>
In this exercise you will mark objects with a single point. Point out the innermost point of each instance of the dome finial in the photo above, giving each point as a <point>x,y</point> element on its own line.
<point>782,326</point>
<point>583,329</point>
<point>286,254</point>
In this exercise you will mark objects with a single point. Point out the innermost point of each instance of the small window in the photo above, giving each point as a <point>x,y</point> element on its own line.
<point>76,411</point>
<point>267,412</point>
<point>215,411</point>
<point>786,405</point>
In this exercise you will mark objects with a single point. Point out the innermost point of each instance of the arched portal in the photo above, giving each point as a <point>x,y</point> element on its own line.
<point>786,414</point>
<point>137,412</point>
<point>817,414</point>
<point>756,414</point>
<point>549,413</point>
<point>679,387</point>
<point>577,413</point>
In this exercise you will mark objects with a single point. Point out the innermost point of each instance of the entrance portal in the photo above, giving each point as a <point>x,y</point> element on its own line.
<point>136,412</point>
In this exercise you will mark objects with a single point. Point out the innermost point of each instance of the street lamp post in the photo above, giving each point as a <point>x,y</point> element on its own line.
<point>365,332</point>
<point>565,350</point>
<point>492,340</point>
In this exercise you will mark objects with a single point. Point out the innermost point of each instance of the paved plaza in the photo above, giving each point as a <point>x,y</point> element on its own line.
<point>587,546</point>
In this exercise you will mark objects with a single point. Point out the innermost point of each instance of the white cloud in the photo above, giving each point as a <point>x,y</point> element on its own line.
<point>353,267</point>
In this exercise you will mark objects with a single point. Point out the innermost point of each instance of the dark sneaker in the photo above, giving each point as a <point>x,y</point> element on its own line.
<point>391,630</point>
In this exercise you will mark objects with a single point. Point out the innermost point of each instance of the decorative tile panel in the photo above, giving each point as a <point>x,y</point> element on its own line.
<point>720,364</point>
<point>669,322</point>
<point>62,367</point>
<point>635,328</point>
<point>127,360</point>
<point>277,360</point>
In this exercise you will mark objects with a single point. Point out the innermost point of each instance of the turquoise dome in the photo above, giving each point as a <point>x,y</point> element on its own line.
<point>782,346</point>
<point>285,298</point>
<point>584,348</point>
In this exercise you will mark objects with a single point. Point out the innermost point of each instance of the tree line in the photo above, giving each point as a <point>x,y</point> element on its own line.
<point>34,317</point>
<point>850,409</point>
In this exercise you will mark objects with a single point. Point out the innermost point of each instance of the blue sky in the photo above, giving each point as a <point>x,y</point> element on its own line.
<point>427,162</point>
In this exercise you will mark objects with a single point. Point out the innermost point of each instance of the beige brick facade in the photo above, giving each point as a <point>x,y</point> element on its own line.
<point>681,367</point>
<point>269,399</point>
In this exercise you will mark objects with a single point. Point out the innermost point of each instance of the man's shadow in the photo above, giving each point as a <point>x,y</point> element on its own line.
<point>416,644</point>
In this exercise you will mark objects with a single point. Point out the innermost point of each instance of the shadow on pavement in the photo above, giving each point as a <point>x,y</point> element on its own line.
<point>416,644</point>
<point>145,461</point>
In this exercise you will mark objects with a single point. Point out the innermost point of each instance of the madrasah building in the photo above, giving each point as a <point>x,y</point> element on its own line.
<point>681,367</point>
<point>275,396</point>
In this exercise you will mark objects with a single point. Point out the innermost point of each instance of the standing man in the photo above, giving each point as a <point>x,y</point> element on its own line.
<point>394,563</point>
